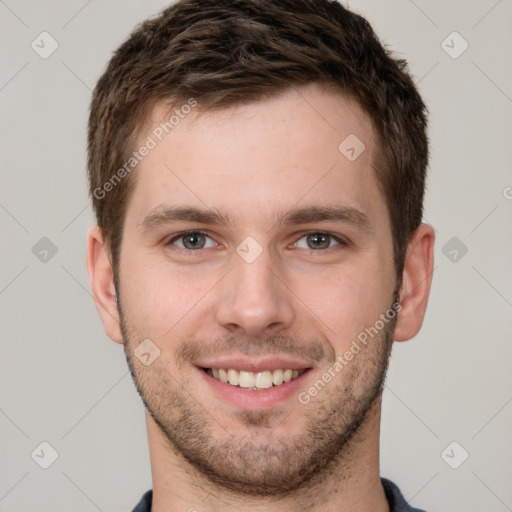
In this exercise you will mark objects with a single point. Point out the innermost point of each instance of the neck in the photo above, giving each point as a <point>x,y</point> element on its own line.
<point>351,483</point>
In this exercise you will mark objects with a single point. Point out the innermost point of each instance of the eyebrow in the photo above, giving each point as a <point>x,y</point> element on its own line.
<point>164,215</point>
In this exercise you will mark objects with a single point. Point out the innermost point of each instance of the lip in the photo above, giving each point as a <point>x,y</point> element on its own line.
<point>261,399</point>
<point>256,365</point>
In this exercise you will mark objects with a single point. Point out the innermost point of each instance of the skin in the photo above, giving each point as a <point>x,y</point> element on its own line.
<point>250,163</point>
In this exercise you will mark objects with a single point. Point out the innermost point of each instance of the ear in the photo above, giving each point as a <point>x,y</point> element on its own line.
<point>102,283</point>
<point>417,278</point>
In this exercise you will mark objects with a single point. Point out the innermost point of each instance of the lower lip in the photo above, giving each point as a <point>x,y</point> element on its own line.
<point>251,399</point>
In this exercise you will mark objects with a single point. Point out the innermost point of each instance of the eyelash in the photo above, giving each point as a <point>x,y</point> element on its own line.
<point>339,240</point>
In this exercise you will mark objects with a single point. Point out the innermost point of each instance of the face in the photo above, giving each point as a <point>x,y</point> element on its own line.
<point>255,251</point>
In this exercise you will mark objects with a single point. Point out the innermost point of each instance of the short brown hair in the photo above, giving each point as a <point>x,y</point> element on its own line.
<point>223,52</point>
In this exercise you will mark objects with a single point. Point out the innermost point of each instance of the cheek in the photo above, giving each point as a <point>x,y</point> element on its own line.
<point>345,304</point>
<point>157,297</point>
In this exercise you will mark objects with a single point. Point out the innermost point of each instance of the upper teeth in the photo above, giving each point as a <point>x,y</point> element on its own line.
<point>259,380</point>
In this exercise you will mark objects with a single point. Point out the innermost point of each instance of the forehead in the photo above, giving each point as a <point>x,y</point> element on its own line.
<point>305,146</point>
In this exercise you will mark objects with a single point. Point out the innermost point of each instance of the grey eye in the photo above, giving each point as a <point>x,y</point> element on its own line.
<point>318,241</point>
<point>193,241</point>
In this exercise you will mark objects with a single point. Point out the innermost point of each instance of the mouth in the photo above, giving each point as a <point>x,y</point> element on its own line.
<point>255,381</point>
<point>254,384</point>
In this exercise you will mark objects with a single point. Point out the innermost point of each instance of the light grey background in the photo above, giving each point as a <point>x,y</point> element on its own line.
<point>64,382</point>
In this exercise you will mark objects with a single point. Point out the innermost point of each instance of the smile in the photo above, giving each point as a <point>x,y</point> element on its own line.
<point>254,381</point>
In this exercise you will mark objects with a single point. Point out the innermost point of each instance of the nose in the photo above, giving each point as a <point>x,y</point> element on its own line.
<point>254,299</point>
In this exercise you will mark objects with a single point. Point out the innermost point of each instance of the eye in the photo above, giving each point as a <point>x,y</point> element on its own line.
<point>319,241</point>
<point>192,240</point>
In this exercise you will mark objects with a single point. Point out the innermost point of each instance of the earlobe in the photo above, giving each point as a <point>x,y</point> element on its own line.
<point>416,282</point>
<point>101,277</point>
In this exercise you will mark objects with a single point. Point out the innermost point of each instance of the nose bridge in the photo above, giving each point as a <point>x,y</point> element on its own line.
<point>253,298</point>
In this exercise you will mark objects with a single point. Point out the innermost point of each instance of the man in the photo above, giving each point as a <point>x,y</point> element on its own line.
<point>257,170</point>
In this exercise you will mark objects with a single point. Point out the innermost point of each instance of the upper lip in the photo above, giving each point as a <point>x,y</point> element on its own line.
<point>256,365</point>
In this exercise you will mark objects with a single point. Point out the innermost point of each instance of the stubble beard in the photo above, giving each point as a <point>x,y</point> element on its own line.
<point>264,464</point>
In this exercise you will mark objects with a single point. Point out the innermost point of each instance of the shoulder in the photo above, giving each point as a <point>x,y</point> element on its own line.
<point>395,498</point>
<point>144,504</point>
